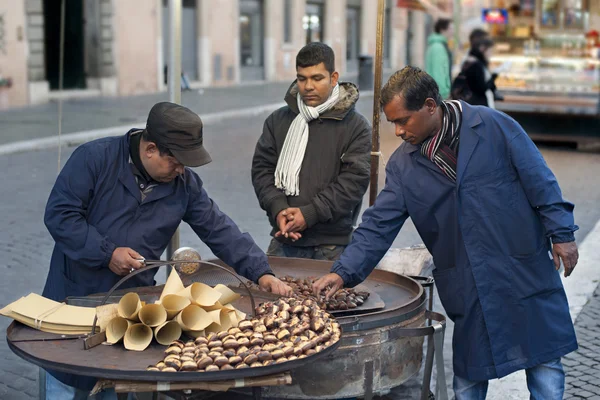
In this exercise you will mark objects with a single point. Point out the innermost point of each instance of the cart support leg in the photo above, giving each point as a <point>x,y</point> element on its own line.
<point>425,388</point>
<point>441,390</point>
<point>257,393</point>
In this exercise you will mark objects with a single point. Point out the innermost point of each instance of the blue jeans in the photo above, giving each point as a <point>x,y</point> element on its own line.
<point>56,390</point>
<point>322,252</point>
<point>545,382</point>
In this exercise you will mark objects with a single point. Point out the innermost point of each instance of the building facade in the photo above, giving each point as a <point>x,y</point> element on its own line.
<point>120,47</point>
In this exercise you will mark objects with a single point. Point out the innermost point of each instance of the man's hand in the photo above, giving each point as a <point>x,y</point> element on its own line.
<point>123,260</point>
<point>283,218</point>
<point>295,221</point>
<point>332,279</point>
<point>273,284</point>
<point>569,255</point>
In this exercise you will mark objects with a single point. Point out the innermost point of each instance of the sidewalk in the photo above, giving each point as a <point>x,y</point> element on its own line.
<point>37,122</point>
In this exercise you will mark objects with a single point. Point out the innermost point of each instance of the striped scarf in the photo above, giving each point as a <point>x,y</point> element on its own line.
<point>442,149</point>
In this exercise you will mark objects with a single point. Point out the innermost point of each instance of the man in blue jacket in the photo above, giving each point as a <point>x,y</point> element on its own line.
<point>122,198</point>
<point>491,213</point>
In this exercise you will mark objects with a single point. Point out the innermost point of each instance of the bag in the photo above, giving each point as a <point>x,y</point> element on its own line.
<point>460,88</point>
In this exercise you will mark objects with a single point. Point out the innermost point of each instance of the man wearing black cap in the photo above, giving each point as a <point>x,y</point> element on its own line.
<point>119,199</point>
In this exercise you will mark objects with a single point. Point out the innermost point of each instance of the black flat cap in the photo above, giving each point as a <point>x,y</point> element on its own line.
<point>179,129</point>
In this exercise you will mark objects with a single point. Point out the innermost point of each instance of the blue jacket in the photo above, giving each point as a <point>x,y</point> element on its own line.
<point>489,234</point>
<point>95,206</point>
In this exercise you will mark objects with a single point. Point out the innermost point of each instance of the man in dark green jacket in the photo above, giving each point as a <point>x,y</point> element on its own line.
<point>311,165</point>
<point>438,58</point>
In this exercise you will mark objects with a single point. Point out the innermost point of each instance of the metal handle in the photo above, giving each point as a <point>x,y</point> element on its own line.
<point>157,264</point>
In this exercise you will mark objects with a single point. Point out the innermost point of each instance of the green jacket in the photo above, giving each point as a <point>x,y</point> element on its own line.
<point>437,62</point>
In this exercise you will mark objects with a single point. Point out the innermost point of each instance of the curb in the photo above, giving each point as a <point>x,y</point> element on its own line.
<point>580,286</point>
<point>76,138</point>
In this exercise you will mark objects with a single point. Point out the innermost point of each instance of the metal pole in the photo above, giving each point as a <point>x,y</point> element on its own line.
<point>61,73</point>
<point>375,153</point>
<point>457,13</point>
<point>174,82</point>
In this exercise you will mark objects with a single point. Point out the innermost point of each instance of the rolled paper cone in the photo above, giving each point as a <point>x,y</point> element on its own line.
<point>116,328</point>
<point>129,306</point>
<point>201,294</point>
<point>153,315</point>
<point>240,315</point>
<point>174,285</point>
<point>227,295</point>
<point>137,337</point>
<point>174,303</point>
<point>105,314</point>
<point>167,332</point>
<point>193,318</point>
<point>217,306</point>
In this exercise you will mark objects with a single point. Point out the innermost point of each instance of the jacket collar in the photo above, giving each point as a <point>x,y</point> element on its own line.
<point>127,178</point>
<point>470,132</point>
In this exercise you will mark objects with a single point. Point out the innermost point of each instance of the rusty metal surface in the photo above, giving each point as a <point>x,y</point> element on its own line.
<point>375,360</point>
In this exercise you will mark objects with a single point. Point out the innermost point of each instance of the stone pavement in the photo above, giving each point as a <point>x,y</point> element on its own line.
<point>41,121</point>
<point>583,366</point>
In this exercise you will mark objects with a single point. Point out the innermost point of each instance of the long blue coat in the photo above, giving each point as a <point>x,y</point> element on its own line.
<point>95,206</point>
<point>489,234</point>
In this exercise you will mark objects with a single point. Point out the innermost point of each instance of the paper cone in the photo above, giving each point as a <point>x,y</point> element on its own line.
<point>193,318</point>
<point>129,306</point>
<point>167,332</point>
<point>227,295</point>
<point>152,315</point>
<point>137,337</point>
<point>218,306</point>
<point>174,285</point>
<point>105,314</point>
<point>174,303</point>
<point>116,328</point>
<point>201,294</point>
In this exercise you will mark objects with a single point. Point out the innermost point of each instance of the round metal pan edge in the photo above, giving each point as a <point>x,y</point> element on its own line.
<point>143,375</point>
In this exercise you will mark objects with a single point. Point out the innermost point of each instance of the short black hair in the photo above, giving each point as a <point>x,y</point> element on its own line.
<point>162,150</point>
<point>477,34</point>
<point>414,85</point>
<point>315,53</point>
<point>441,25</point>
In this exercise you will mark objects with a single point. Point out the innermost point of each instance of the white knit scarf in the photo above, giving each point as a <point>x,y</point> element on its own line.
<point>290,160</point>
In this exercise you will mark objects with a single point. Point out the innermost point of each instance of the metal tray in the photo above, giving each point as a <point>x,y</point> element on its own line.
<point>114,362</point>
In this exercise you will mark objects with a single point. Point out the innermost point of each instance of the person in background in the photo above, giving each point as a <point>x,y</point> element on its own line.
<point>480,80</point>
<point>476,35</point>
<point>438,58</point>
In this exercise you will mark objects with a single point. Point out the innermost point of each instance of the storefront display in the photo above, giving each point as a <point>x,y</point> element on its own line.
<point>548,61</point>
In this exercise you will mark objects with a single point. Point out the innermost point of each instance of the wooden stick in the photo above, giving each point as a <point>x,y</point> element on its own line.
<point>218,386</point>
<point>375,153</point>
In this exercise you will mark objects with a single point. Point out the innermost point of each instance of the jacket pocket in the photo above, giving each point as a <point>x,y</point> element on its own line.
<point>496,192</point>
<point>534,273</point>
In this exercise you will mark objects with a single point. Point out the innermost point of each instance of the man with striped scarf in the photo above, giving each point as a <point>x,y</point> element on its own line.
<point>492,215</point>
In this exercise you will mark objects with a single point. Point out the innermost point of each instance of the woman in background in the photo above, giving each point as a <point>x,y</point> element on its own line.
<point>479,79</point>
